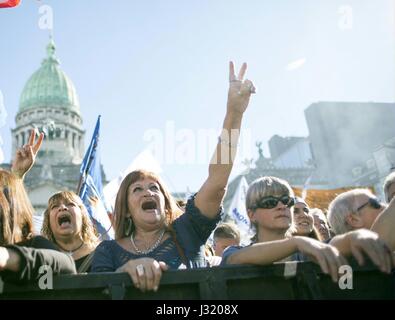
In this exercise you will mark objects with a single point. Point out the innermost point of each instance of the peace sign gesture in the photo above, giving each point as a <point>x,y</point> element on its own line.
<point>25,156</point>
<point>239,90</point>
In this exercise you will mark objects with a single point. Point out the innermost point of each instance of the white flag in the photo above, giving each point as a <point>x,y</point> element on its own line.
<point>37,223</point>
<point>238,211</point>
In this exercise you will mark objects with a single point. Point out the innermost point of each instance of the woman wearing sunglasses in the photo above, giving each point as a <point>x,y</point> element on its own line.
<point>269,201</point>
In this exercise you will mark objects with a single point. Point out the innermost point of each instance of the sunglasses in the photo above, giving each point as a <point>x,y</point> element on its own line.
<point>272,202</point>
<point>373,202</point>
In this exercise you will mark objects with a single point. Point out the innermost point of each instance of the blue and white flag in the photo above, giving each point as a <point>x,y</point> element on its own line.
<point>90,188</point>
<point>238,211</point>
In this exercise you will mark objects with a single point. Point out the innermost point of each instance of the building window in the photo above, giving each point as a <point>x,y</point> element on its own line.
<point>23,138</point>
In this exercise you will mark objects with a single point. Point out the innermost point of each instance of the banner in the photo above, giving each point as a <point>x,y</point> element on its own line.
<point>238,211</point>
<point>321,199</point>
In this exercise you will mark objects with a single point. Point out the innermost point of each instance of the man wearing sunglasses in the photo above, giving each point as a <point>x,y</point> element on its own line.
<point>363,225</point>
<point>354,209</point>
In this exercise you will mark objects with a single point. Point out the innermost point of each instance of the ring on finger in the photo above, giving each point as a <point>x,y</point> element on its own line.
<point>140,270</point>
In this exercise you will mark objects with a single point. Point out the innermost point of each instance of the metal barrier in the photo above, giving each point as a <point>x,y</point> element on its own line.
<point>279,281</point>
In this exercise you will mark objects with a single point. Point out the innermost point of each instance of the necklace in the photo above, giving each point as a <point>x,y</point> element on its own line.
<point>149,250</point>
<point>71,252</point>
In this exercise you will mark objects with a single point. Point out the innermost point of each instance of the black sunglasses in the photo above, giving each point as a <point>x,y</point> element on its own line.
<point>373,202</point>
<point>272,202</point>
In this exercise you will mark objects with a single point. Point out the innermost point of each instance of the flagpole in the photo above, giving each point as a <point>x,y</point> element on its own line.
<point>80,183</point>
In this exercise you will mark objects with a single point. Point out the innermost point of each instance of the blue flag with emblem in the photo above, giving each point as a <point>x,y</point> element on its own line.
<point>90,187</point>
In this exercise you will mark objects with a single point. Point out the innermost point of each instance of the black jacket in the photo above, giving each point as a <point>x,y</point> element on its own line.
<point>35,253</point>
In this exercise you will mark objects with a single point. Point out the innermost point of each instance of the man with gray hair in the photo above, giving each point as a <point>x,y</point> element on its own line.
<point>354,209</point>
<point>362,223</point>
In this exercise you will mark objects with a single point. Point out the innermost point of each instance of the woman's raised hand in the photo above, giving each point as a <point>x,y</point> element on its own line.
<point>239,90</point>
<point>25,156</point>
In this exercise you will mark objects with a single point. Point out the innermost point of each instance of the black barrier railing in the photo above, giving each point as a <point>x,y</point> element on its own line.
<point>280,281</point>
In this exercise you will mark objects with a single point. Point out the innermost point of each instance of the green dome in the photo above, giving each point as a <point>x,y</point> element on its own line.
<point>49,86</point>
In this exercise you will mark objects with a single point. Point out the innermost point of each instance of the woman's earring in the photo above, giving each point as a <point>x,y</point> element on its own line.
<point>128,226</point>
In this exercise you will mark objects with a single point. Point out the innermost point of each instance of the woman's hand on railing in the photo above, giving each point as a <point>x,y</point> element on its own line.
<point>365,242</point>
<point>327,256</point>
<point>144,272</point>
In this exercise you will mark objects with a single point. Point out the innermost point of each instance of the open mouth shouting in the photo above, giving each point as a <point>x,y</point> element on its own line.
<point>64,220</point>
<point>149,205</point>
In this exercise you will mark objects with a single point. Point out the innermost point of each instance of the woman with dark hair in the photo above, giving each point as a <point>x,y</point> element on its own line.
<point>67,224</point>
<point>152,233</point>
<point>21,253</point>
<point>303,221</point>
<point>321,225</point>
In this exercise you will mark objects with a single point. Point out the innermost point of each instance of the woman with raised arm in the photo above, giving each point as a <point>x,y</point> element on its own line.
<point>152,234</point>
<point>21,252</point>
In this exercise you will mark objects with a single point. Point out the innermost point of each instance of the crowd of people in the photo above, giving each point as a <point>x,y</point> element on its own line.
<point>154,233</point>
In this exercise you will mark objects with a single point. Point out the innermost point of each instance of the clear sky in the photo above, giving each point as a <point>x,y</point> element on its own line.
<point>155,64</point>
